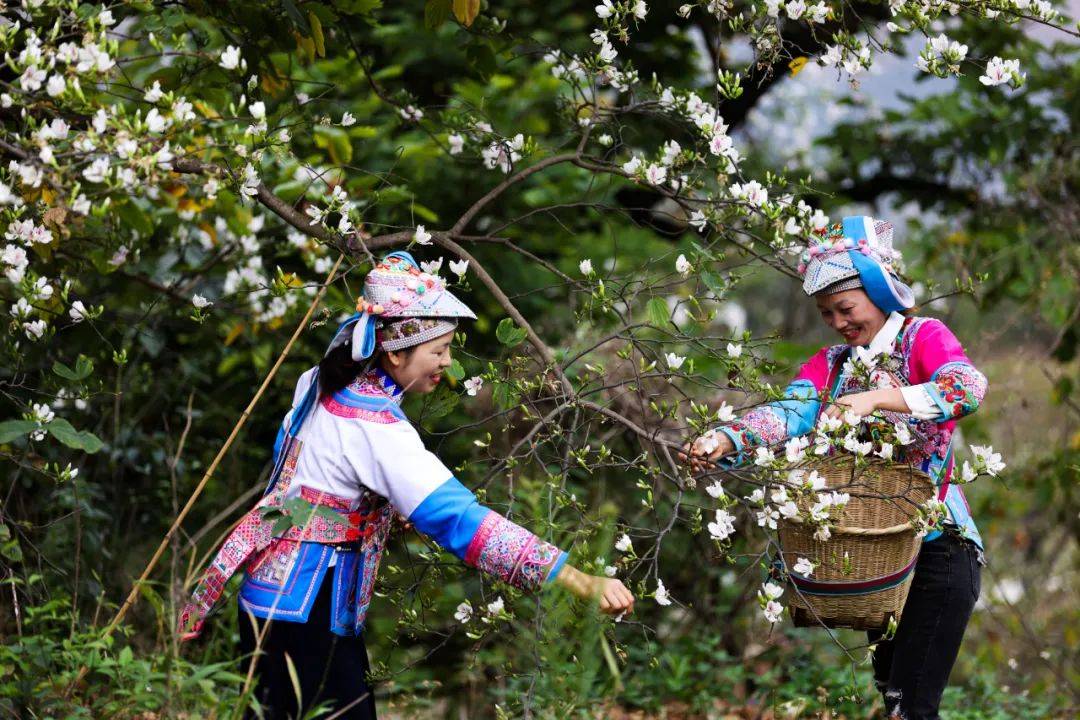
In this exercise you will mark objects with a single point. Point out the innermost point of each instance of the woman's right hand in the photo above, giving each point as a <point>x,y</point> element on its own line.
<point>614,597</point>
<point>703,453</point>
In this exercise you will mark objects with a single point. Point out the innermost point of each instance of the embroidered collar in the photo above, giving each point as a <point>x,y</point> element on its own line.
<point>377,378</point>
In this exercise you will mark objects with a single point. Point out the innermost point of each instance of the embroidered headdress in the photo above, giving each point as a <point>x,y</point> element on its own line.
<point>401,306</point>
<point>856,253</point>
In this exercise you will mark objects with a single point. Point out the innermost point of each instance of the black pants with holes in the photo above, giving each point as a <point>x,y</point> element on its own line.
<point>912,669</point>
<point>330,670</point>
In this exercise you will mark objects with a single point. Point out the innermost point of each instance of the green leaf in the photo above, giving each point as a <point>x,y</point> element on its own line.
<point>84,366</point>
<point>14,429</point>
<point>436,13</point>
<point>508,333</point>
<point>335,141</point>
<point>79,439</point>
<point>715,283</point>
<point>281,525</point>
<point>456,370</point>
<point>657,311</point>
<point>440,403</point>
<point>12,551</point>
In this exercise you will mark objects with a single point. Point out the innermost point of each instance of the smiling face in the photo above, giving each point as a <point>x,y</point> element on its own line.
<point>852,314</point>
<point>419,369</point>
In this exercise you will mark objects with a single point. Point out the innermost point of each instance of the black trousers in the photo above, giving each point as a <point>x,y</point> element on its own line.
<point>912,669</point>
<point>329,668</point>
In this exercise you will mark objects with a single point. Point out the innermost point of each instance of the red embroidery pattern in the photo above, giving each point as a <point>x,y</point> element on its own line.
<point>341,410</point>
<point>511,553</point>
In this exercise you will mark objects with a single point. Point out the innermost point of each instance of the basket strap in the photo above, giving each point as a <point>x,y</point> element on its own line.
<point>852,587</point>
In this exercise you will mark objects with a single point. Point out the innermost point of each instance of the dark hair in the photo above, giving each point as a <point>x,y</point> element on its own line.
<point>338,369</point>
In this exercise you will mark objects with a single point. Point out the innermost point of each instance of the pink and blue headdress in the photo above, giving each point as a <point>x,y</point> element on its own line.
<point>856,253</point>
<point>401,306</point>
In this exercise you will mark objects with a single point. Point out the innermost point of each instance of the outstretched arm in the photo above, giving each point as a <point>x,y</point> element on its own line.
<point>438,505</point>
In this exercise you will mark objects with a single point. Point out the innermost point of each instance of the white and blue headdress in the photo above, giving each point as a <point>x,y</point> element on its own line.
<point>401,306</point>
<point>856,253</point>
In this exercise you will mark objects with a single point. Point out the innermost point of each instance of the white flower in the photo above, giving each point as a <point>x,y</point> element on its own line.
<point>725,413</point>
<point>494,608</point>
<point>683,266</point>
<point>34,330</point>
<point>154,93</point>
<point>804,567</point>
<point>250,187</point>
<point>771,591</point>
<point>431,267</point>
<point>715,490</point>
<point>631,166</point>
<point>421,236</point>
<point>607,52</point>
<point>21,309</point>
<point>31,79</point>
<point>98,171</point>
<point>752,192</point>
<point>789,509</point>
<point>724,525</point>
<point>886,451</point>
<point>655,174</point>
<point>757,497</point>
<point>986,458</point>
<point>795,448</point>
<point>610,570</point>
<point>456,142</point>
<point>43,413</point>
<point>458,267</point>
<point>105,17</point>
<point>200,302</point>
<point>773,610</point>
<point>671,151</point>
<point>852,418</point>
<point>734,350</point>
<point>968,473</point>
<point>155,123</point>
<point>903,435</point>
<point>411,113</point>
<point>662,597</point>
<point>722,144</point>
<point>56,85</point>
<point>674,361</point>
<point>698,221</point>
<point>605,140</point>
<point>605,9</point>
<point>585,266</point>
<point>464,612</point>
<point>763,456</point>
<point>473,385</point>
<point>257,110</point>
<point>623,544</point>
<point>347,119</point>
<point>77,311</point>
<point>823,533</point>
<point>818,13</point>
<point>640,9</point>
<point>767,518</point>
<point>795,9</point>
<point>772,8</point>
<point>230,59</point>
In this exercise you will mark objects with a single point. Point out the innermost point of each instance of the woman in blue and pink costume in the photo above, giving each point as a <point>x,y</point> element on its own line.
<point>349,453</point>
<point>922,379</point>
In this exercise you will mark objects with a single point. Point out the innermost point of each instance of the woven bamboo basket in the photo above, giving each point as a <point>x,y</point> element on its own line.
<point>863,572</point>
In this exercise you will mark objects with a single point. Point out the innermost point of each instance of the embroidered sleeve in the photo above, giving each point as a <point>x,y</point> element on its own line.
<point>774,422</point>
<point>938,363</point>
<point>484,539</point>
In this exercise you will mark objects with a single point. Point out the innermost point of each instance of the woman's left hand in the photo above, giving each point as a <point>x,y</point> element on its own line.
<point>861,404</point>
